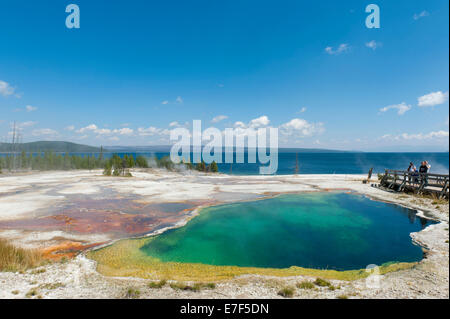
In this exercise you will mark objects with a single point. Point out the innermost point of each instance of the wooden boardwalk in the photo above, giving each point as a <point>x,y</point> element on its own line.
<point>403,181</point>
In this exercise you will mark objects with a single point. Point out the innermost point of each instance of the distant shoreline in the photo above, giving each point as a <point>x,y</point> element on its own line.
<point>70,147</point>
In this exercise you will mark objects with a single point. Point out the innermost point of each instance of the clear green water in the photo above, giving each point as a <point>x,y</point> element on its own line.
<point>318,230</point>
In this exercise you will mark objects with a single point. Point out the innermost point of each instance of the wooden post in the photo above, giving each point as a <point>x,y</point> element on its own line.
<point>444,189</point>
<point>369,176</point>
<point>383,180</point>
<point>394,181</point>
<point>403,184</point>
<point>422,183</point>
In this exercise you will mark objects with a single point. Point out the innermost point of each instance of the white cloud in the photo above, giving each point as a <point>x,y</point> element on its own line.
<point>219,118</point>
<point>124,131</point>
<point>104,131</point>
<point>151,131</point>
<point>91,127</point>
<point>402,108</point>
<point>240,124</point>
<point>179,100</point>
<point>259,122</point>
<point>424,13</point>
<point>432,99</point>
<point>254,124</point>
<point>418,136</point>
<point>174,124</point>
<point>69,128</point>
<point>6,89</point>
<point>25,124</point>
<point>44,132</point>
<point>302,110</point>
<point>344,47</point>
<point>301,127</point>
<point>165,102</point>
<point>30,108</point>
<point>20,126</point>
<point>373,44</point>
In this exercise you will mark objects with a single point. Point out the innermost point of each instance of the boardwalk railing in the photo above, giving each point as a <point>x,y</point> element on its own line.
<point>417,182</point>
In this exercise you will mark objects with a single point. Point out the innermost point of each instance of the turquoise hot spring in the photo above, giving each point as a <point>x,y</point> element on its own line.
<point>323,230</point>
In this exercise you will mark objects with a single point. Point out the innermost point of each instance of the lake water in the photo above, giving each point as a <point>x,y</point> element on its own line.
<point>326,163</point>
<point>339,163</point>
<point>317,230</point>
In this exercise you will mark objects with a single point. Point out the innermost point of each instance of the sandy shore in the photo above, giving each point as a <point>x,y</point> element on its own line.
<point>79,209</point>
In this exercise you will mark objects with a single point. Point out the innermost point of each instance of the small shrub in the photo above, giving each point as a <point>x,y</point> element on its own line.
<point>141,161</point>
<point>440,202</point>
<point>165,162</point>
<point>38,271</point>
<point>158,284</point>
<point>286,292</point>
<point>132,293</point>
<point>342,297</point>
<point>213,167</point>
<point>305,285</point>
<point>179,286</point>
<point>183,286</point>
<point>108,169</point>
<point>201,167</point>
<point>33,292</point>
<point>200,286</point>
<point>52,286</point>
<point>322,282</point>
<point>196,287</point>
<point>15,292</point>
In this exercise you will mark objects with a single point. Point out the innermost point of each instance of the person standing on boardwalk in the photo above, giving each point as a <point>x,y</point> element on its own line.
<point>428,165</point>
<point>412,171</point>
<point>423,170</point>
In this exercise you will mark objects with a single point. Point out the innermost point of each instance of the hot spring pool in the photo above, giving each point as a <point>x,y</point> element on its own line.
<point>317,230</point>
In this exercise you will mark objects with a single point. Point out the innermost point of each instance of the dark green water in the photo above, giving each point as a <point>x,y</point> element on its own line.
<point>318,230</point>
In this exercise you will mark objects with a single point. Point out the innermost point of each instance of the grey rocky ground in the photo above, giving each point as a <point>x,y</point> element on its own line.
<point>31,194</point>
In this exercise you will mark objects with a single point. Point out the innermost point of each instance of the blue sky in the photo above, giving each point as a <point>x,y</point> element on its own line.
<point>136,69</point>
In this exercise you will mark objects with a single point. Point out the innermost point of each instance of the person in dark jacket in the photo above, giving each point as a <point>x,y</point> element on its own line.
<point>423,170</point>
